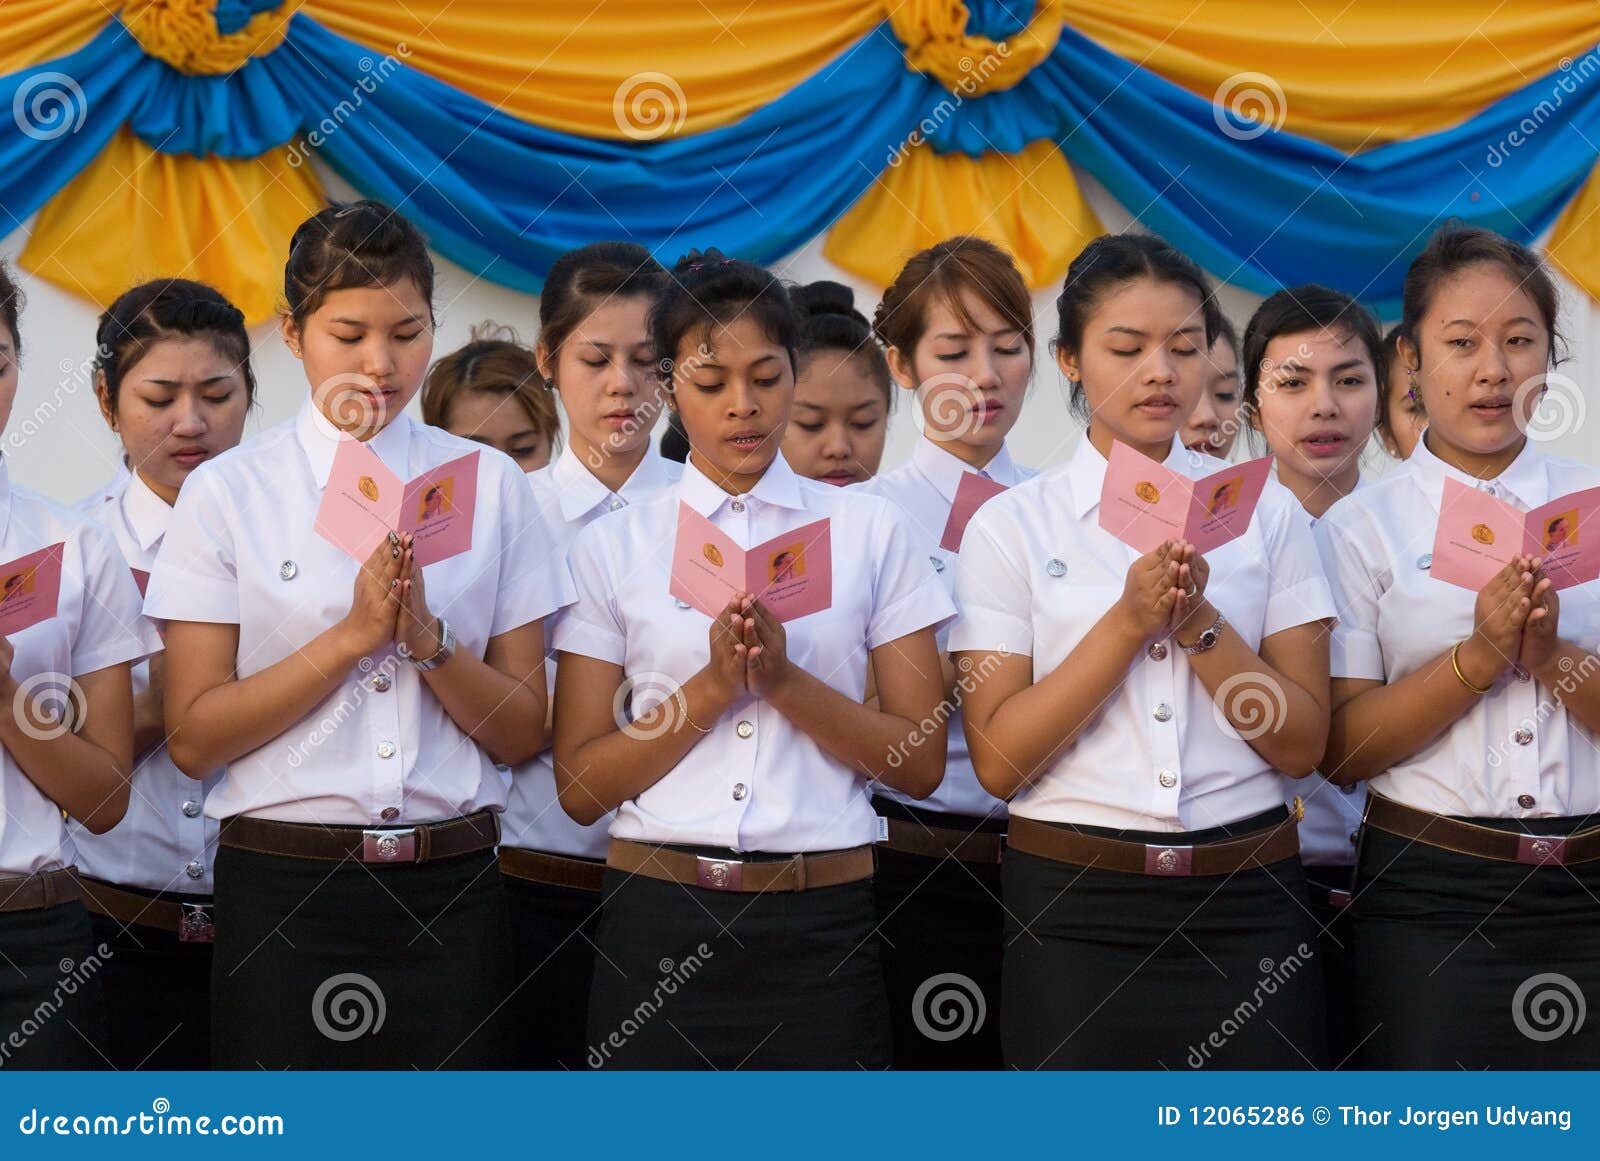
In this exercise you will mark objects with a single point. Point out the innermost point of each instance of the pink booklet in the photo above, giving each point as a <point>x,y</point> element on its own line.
<point>364,501</point>
<point>972,493</point>
<point>792,574</point>
<point>1478,533</point>
<point>1143,503</point>
<point>30,587</point>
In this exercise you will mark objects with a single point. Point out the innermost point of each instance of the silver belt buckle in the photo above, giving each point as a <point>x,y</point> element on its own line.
<point>1160,860</point>
<point>718,874</point>
<point>1539,849</point>
<point>196,925</point>
<point>389,846</point>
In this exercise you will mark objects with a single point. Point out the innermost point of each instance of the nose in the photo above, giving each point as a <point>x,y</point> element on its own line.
<point>187,419</point>
<point>985,376</point>
<point>835,442</point>
<point>1158,368</point>
<point>1204,415</point>
<point>377,359</point>
<point>742,401</point>
<point>1492,369</point>
<point>1324,403</point>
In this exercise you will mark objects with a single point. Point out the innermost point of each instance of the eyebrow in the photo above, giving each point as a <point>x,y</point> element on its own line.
<point>175,384</point>
<point>357,322</point>
<point>1190,329</point>
<point>1521,318</point>
<point>969,334</point>
<point>1296,365</point>
<point>853,407</point>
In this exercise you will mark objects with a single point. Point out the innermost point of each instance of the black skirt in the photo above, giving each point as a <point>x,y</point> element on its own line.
<point>346,965</point>
<point>943,928</point>
<point>553,930</point>
<point>1105,969</point>
<point>726,980</point>
<point>1329,890</point>
<point>1471,963</point>
<point>158,994</point>
<point>52,1007</point>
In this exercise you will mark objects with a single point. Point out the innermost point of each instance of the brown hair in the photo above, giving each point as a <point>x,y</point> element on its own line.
<point>1452,249</point>
<point>168,308</point>
<point>940,274</point>
<point>11,304</point>
<point>581,280</point>
<point>362,244</point>
<point>495,363</point>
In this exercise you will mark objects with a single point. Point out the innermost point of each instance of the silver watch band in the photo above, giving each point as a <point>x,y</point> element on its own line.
<point>447,645</point>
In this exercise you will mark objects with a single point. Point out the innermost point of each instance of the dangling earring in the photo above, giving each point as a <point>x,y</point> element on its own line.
<point>1413,394</point>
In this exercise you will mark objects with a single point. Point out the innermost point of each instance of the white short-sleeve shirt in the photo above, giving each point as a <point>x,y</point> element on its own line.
<point>242,549</point>
<point>571,497</point>
<point>924,487</point>
<point>98,623</point>
<point>1516,753</point>
<point>165,842</point>
<point>755,782</point>
<point>1037,572</point>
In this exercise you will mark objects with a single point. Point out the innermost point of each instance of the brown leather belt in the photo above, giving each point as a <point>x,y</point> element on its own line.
<point>45,889</point>
<point>191,922</point>
<point>1483,842</point>
<point>1258,849</point>
<point>552,870</point>
<point>799,872</point>
<point>428,842</point>
<point>939,842</point>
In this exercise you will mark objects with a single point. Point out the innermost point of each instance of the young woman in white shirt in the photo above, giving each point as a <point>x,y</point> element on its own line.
<point>66,751</point>
<point>1137,711</point>
<point>735,749</point>
<point>842,399</point>
<point>173,379</point>
<point>1472,715</point>
<point>957,324</point>
<point>1216,420</point>
<point>1313,359</point>
<point>360,707</point>
<point>594,351</point>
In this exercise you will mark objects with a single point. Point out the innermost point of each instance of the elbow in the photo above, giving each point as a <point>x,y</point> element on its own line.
<point>994,774</point>
<point>577,800</point>
<point>110,812</point>
<point>188,758</point>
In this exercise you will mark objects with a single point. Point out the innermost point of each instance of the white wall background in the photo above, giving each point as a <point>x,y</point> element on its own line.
<point>58,444</point>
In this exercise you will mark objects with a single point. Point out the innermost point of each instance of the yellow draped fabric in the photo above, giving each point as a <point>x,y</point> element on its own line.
<point>135,214</point>
<point>1353,74</point>
<point>184,34</point>
<point>936,41</point>
<point>1028,202</point>
<point>38,30</point>
<point>625,68</point>
<point>1574,245</point>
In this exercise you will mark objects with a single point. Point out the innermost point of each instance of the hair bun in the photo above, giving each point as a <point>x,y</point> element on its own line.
<point>818,298</point>
<point>696,259</point>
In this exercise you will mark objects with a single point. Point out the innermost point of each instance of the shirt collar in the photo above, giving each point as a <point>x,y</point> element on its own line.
<point>1086,472</point>
<point>147,513</point>
<point>320,440</point>
<point>1524,480</point>
<point>779,487</point>
<point>580,491</point>
<point>944,470</point>
<point>5,494</point>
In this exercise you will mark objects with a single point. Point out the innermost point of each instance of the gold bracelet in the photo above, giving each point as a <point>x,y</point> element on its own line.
<point>1455,664</point>
<point>684,706</point>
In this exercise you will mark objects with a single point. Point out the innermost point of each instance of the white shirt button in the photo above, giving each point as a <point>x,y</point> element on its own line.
<point>744,729</point>
<point>1486,486</point>
<point>191,809</point>
<point>617,502</point>
<point>938,565</point>
<point>1425,561</point>
<point>740,790</point>
<point>682,604</point>
<point>386,749</point>
<point>1162,712</point>
<point>1526,801</point>
<point>287,569</point>
<point>1157,651</point>
<point>1520,673</point>
<point>1350,789</point>
<point>1523,736</point>
<point>381,682</point>
<point>737,505</point>
<point>195,869</point>
<point>1168,779</point>
<point>1055,567</point>
<point>389,813</point>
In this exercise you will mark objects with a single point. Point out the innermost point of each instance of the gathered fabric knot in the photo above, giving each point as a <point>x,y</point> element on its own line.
<point>185,33</point>
<point>934,33</point>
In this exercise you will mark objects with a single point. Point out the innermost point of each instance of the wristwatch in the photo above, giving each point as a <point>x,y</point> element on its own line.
<point>1207,638</point>
<point>447,646</point>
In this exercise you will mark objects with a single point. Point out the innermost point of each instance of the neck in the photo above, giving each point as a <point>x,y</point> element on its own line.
<point>733,483</point>
<point>169,495</point>
<point>1103,437</point>
<point>612,466</point>
<point>1319,493</point>
<point>976,458</point>
<point>1478,465</point>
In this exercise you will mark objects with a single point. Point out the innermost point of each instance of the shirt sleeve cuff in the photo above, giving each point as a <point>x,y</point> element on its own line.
<point>1299,604</point>
<point>1355,653</point>
<point>183,596</point>
<point>584,639</point>
<point>927,605</point>
<point>135,647</point>
<point>530,602</point>
<point>987,630</point>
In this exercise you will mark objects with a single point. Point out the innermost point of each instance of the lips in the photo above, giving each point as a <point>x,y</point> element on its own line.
<point>1492,407</point>
<point>839,477</point>
<point>1325,443</point>
<point>1157,406</point>
<point>191,456</point>
<point>747,440</point>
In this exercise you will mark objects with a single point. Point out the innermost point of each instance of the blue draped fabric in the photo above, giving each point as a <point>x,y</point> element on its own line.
<point>1258,207</point>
